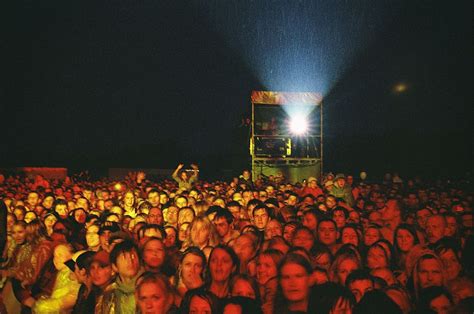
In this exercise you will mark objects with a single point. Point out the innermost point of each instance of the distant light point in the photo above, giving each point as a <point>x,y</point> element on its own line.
<point>400,88</point>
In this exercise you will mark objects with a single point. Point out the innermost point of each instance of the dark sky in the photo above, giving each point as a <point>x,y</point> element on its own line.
<point>150,83</point>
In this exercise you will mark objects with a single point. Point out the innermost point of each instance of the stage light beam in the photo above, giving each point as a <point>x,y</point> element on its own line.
<point>299,125</point>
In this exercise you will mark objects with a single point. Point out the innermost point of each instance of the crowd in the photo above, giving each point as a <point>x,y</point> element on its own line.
<point>183,245</point>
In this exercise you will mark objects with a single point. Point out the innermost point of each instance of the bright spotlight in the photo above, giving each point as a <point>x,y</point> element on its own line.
<point>298,125</point>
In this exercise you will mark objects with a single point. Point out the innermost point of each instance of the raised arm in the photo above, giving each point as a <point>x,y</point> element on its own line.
<point>176,171</point>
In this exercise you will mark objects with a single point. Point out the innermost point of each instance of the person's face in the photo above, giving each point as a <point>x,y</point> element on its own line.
<point>344,269</point>
<point>220,265</point>
<point>261,218</point>
<point>294,282</point>
<point>421,217</point>
<point>451,264</point>
<point>170,239</point>
<point>29,216</point>
<point>430,273</point>
<point>80,216</point>
<point>340,218</point>
<point>170,215</point>
<point>61,254</point>
<point>199,306</point>
<point>235,210</point>
<point>222,226</point>
<point>82,203</point>
<point>19,234</point>
<point>405,240</point>
<point>243,288</point>
<point>288,233</point>
<point>129,199</point>
<point>371,236</point>
<point>266,269</point>
<point>164,199</point>
<point>349,235</point>
<point>154,198</point>
<point>153,299</point>
<point>327,233</point>
<point>199,234</point>
<point>243,247</point>
<point>323,260</point>
<point>100,274</point>
<point>304,239</point>
<point>19,214</point>
<point>62,210</point>
<point>341,182</point>
<point>10,222</point>
<point>232,309</point>
<point>32,199</point>
<point>331,202</point>
<point>360,287</point>
<point>183,232</point>
<point>376,218</point>
<point>441,304</point>
<point>50,221</point>
<point>292,200</point>
<point>376,258</point>
<point>451,226</point>
<point>104,240</point>
<point>155,216</point>
<point>435,228</point>
<point>48,202</point>
<point>310,221</point>
<point>181,202</point>
<point>273,229</point>
<point>127,264</point>
<point>154,254</point>
<point>191,267</point>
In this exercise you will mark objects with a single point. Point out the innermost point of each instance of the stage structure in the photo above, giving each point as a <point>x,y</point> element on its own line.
<point>287,135</point>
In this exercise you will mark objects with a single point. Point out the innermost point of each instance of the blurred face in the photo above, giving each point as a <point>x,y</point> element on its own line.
<point>430,273</point>
<point>451,264</point>
<point>183,232</point>
<point>451,226</point>
<point>82,203</point>
<point>340,218</point>
<point>243,288</point>
<point>19,234</point>
<point>349,235</point>
<point>181,202</point>
<point>29,216</point>
<point>266,269</point>
<point>155,216</point>
<point>327,233</point>
<point>376,258</point>
<point>127,264</point>
<point>191,267</point>
<point>154,254</point>
<point>62,210</point>
<point>421,217</point>
<point>32,199</point>
<point>154,198</point>
<point>371,236</point>
<point>222,226</point>
<point>323,260</point>
<point>360,287</point>
<point>200,234</point>
<point>170,239</point>
<point>376,218</point>
<point>345,268</point>
<point>170,215</point>
<point>80,216</point>
<point>261,218</point>
<point>435,228</point>
<point>48,202</point>
<point>61,255</point>
<point>288,233</point>
<point>273,229</point>
<point>294,282</point>
<point>104,240</point>
<point>153,299</point>
<point>304,239</point>
<point>243,247</point>
<point>405,240</point>
<point>129,199</point>
<point>232,309</point>
<point>100,274</point>
<point>441,305</point>
<point>199,306</point>
<point>310,221</point>
<point>221,265</point>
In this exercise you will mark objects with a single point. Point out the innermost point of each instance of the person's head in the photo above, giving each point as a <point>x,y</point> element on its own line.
<point>153,253</point>
<point>202,232</point>
<point>289,230</point>
<point>422,215</point>
<point>125,259</point>
<point>428,271</point>
<point>303,237</point>
<point>199,301</point>
<point>351,234</point>
<point>92,236</point>
<point>344,264</point>
<point>181,201</point>
<point>327,232</point>
<point>35,231</point>
<point>310,219</point>
<point>241,305</point>
<point>461,289</point>
<point>330,297</point>
<point>171,239</point>
<point>245,246</point>
<point>19,232</point>
<point>340,215</point>
<point>448,251</point>
<point>386,274</point>
<point>223,263</point>
<point>435,298</point>
<point>61,254</point>
<point>377,256</point>
<point>61,208</point>
<point>153,197</point>
<point>451,225</point>
<point>101,269</point>
<point>155,216</point>
<point>435,228</point>
<point>185,215</point>
<point>267,263</point>
<point>29,216</point>
<point>372,234</point>
<point>32,199</point>
<point>170,215</point>
<point>392,210</point>
<point>294,273</point>
<point>273,229</point>
<point>245,286</point>
<point>153,293</point>
<point>193,263</point>
<point>223,221</point>
<point>359,282</point>
<point>405,238</point>
<point>261,216</point>
<point>400,296</point>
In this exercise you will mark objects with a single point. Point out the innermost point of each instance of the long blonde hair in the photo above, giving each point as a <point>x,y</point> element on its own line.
<point>201,222</point>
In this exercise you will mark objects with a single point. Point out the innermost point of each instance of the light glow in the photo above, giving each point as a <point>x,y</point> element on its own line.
<point>299,124</point>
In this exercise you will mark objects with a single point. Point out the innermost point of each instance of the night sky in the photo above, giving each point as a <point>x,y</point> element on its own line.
<point>97,84</point>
